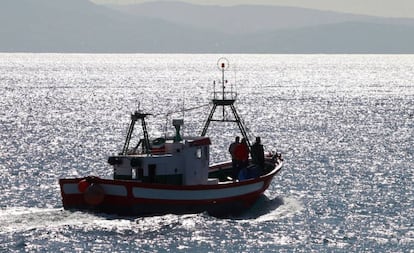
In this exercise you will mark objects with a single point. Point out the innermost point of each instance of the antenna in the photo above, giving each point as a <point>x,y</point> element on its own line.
<point>227,100</point>
<point>183,111</point>
<point>223,65</point>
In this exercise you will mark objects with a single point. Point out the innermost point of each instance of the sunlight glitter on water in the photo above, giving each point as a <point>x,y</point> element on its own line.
<point>344,124</point>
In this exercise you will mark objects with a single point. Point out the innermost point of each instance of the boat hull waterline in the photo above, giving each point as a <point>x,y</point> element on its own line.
<point>128,197</point>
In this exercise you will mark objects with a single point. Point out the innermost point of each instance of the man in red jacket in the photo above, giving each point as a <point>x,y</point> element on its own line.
<point>241,153</point>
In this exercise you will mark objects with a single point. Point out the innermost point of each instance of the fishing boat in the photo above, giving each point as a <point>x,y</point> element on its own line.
<point>172,174</point>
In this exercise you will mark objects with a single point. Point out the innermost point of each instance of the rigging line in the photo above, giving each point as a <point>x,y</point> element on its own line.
<point>183,110</point>
<point>188,109</point>
<point>168,114</point>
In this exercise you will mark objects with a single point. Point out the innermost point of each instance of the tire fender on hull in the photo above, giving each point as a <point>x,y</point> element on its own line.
<point>94,194</point>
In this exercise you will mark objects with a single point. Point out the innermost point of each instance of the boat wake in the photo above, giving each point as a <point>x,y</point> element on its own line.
<point>14,219</point>
<point>266,209</point>
<point>20,219</point>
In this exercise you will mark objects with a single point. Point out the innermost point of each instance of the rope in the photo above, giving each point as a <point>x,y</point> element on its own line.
<point>168,114</point>
<point>186,110</point>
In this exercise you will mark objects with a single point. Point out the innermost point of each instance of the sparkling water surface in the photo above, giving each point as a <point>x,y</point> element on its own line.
<point>344,124</point>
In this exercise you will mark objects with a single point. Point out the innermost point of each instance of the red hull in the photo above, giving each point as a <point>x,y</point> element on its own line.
<point>127,197</point>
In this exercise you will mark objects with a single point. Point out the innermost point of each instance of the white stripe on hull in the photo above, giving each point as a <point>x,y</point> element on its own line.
<point>166,194</point>
<point>147,193</point>
<point>70,189</point>
<point>116,190</point>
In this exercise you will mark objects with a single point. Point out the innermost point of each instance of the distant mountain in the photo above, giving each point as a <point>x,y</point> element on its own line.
<point>347,37</point>
<point>246,18</point>
<point>173,27</point>
<point>80,26</point>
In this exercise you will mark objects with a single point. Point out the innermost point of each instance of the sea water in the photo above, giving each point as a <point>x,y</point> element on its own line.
<point>344,124</point>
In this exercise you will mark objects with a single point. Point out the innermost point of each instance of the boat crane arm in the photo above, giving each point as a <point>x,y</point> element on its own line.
<point>134,118</point>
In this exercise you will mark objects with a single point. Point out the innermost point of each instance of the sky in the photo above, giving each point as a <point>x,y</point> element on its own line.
<point>384,8</point>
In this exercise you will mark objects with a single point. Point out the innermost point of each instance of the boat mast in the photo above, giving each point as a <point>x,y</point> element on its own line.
<point>134,118</point>
<point>225,101</point>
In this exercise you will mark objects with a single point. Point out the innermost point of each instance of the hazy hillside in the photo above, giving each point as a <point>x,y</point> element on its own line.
<point>81,26</point>
<point>348,37</point>
<point>237,19</point>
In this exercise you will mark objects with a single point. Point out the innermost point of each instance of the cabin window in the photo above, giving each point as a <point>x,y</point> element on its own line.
<point>152,172</point>
<point>199,153</point>
<point>205,151</point>
<point>140,173</point>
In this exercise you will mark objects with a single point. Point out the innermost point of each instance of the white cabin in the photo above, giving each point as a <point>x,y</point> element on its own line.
<point>185,162</point>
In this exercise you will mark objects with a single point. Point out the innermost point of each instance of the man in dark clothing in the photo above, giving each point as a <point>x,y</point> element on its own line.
<point>258,153</point>
<point>235,163</point>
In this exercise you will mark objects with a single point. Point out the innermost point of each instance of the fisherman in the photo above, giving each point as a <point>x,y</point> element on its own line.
<point>235,163</point>
<point>242,155</point>
<point>258,154</point>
